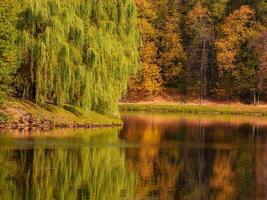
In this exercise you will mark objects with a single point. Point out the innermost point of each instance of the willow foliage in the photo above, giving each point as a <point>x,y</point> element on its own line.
<point>79,52</point>
<point>8,50</point>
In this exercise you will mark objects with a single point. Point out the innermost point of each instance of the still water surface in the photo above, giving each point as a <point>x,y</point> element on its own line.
<point>154,156</point>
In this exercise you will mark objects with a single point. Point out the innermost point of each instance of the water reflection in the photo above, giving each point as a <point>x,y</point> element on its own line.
<point>65,171</point>
<point>154,156</point>
<point>197,157</point>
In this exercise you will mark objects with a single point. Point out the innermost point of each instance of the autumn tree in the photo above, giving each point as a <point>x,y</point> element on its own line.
<point>148,81</point>
<point>199,32</point>
<point>204,48</point>
<point>259,43</point>
<point>171,56</point>
<point>234,72</point>
<point>261,9</point>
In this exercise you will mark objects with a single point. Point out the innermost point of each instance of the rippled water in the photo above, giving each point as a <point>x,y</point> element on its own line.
<point>154,156</point>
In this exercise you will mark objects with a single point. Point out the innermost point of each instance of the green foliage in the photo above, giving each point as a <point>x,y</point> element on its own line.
<point>77,52</point>
<point>218,9</point>
<point>67,173</point>
<point>8,49</point>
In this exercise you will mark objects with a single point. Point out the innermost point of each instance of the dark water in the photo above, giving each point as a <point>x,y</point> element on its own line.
<point>154,156</point>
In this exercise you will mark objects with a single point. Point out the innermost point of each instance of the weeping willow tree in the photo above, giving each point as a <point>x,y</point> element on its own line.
<point>79,52</point>
<point>8,50</point>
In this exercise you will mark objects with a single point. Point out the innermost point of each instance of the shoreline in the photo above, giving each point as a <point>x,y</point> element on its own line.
<point>51,126</point>
<point>18,114</point>
<point>214,109</point>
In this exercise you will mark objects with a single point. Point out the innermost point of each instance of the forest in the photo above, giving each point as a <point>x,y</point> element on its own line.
<point>82,108</point>
<point>204,49</point>
<point>88,53</point>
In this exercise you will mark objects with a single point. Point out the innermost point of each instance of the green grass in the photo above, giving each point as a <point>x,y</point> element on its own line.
<point>67,114</point>
<point>197,109</point>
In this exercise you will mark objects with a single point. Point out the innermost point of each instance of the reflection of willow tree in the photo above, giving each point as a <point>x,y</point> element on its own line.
<point>77,173</point>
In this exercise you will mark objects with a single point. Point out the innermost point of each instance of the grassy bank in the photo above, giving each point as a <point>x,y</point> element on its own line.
<point>197,109</point>
<point>13,110</point>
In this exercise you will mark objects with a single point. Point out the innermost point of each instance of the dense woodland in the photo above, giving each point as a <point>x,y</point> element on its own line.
<point>203,48</point>
<point>83,52</point>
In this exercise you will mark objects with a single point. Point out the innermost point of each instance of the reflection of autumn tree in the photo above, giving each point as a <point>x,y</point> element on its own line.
<point>147,155</point>
<point>194,157</point>
<point>222,177</point>
<point>243,173</point>
<point>261,165</point>
<point>157,169</point>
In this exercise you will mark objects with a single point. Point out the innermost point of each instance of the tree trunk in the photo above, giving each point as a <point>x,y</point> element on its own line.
<point>203,71</point>
<point>254,96</point>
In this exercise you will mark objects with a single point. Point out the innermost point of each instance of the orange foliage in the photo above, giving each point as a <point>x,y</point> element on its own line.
<point>234,31</point>
<point>148,81</point>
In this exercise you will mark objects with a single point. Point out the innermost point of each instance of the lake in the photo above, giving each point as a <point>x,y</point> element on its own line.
<point>154,156</point>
